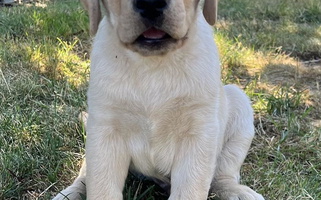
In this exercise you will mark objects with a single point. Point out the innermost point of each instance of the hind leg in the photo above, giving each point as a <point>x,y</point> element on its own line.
<point>77,190</point>
<point>238,137</point>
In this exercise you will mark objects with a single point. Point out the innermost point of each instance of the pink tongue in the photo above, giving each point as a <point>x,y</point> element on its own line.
<point>154,33</point>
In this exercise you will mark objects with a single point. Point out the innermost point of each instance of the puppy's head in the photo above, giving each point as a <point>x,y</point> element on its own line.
<point>150,27</point>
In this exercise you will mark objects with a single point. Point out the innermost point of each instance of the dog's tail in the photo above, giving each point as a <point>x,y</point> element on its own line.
<point>83,116</point>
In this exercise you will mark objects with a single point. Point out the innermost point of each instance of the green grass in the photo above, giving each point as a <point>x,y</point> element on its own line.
<point>43,80</point>
<point>288,26</point>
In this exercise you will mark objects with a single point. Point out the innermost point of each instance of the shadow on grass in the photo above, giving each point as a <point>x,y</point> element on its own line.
<point>289,27</point>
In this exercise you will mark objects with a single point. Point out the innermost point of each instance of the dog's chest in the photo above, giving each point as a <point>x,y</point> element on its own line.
<point>154,135</point>
<point>151,154</point>
<point>153,110</point>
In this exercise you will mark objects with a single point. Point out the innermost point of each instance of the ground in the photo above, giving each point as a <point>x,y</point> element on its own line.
<point>270,48</point>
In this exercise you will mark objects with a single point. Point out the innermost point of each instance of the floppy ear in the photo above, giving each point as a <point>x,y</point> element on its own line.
<point>94,12</point>
<point>210,11</point>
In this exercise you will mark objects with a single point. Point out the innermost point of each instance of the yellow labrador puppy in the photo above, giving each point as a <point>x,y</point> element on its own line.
<point>157,106</point>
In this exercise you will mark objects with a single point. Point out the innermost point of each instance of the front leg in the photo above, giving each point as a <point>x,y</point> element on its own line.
<point>193,168</point>
<point>107,160</point>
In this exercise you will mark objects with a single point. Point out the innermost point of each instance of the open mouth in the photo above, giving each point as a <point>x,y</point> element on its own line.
<point>154,41</point>
<point>153,36</point>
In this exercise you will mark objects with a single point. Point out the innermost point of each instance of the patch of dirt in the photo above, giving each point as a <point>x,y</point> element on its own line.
<point>304,76</point>
<point>10,3</point>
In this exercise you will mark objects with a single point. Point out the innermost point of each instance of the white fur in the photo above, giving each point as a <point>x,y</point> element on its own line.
<point>164,116</point>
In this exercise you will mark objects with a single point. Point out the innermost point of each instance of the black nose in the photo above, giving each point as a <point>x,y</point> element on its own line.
<point>150,9</point>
